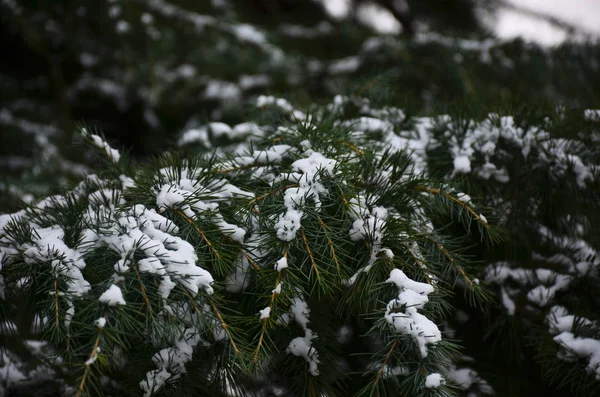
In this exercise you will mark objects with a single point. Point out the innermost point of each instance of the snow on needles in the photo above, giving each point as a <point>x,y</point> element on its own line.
<point>433,381</point>
<point>307,172</point>
<point>112,154</point>
<point>170,257</point>
<point>113,296</point>
<point>185,192</point>
<point>371,226</point>
<point>302,345</point>
<point>413,296</point>
<point>574,347</point>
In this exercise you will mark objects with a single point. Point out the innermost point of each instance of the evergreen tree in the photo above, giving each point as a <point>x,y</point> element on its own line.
<point>308,208</point>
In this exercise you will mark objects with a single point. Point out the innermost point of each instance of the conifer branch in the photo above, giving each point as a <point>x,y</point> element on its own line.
<point>201,233</point>
<point>240,168</point>
<point>310,256</point>
<point>452,260</point>
<point>266,319</point>
<point>421,263</point>
<point>217,313</point>
<point>330,243</point>
<point>225,327</point>
<point>250,260</point>
<point>264,196</point>
<point>93,354</point>
<point>455,200</point>
<point>271,302</point>
<point>385,362</point>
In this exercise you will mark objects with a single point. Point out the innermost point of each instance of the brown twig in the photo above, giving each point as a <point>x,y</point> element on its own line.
<point>222,322</point>
<point>250,260</point>
<point>87,367</point>
<point>385,362</point>
<point>143,288</point>
<point>310,255</point>
<point>225,327</point>
<point>453,262</point>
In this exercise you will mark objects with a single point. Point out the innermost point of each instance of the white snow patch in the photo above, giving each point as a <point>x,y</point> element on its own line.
<point>412,296</point>
<point>113,296</point>
<point>281,264</point>
<point>302,345</point>
<point>433,381</point>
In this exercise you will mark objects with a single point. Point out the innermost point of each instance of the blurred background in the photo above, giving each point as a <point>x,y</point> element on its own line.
<point>144,71</point>
<point>544,22</point>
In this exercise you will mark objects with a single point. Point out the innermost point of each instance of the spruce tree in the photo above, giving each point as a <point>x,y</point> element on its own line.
<point>254,198</point>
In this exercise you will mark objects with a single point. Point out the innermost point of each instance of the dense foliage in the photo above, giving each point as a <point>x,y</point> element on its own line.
<point>307,208</point>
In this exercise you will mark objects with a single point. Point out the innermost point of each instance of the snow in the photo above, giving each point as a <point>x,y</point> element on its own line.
<point>147,18</point>
<point>578,347</point>
<point>249,33</point>
<point>265,313</point>
<point>401,280</point>
<point>219,129</point>
<point>300,311</point>
<point>178,196</point>
<point>222,90</point>
<point>465,198</point>
<point>100,322</point>
<point>434,380</point>
<point>592,114</point>
<point>307,172</point>
<point>93,358</point>
<point>300,31</point>
<point>230,230</point>
<point>288,224</point>
<point>171,362</point>
<point>463,377</point>
<point>113,154</point>
<point>154,381</point>
<point>387,253</point>
<point>122,27</point>
<point>371,227</point>
<point>281,264</point>
<point>572,347</point>
<point>238,281</point>
<point>412,296</point>
<point>369,124</point>
<point>542,295</point>
<point>302,346</point>
<point>462,164</point>
<point>346,65</point>
<point>150,265</point>
<point>10,371</point>
<point>508,303</point>
<point>560,320</point>
<point>48,246</point>
<point>113,296</point>
<point>248,82</point>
